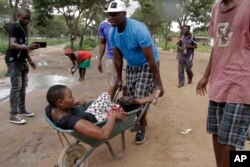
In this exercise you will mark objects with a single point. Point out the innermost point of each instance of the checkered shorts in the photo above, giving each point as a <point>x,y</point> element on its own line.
<point>230,122</point>
<point>139,81</point>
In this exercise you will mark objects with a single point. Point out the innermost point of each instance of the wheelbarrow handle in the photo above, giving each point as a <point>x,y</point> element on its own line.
<point>145,107</point>
<point>115,96</point>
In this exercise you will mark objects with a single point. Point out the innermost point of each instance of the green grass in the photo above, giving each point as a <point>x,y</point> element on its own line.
<point>50,42</point>
<point>171,46</point>
<point>3,73</point>
<point>88,44</point>
<point>3,46</point>
<point>203,49</point>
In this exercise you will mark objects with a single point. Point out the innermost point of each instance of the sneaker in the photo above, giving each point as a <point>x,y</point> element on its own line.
<point>179,86</point>
<point>27,114</point>
<point>135,127</point>
<point>189,81</point>
<point>140,136</point>
<point>16,119</point>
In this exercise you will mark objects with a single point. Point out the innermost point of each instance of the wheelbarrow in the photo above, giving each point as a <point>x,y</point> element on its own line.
<point>76,154</point>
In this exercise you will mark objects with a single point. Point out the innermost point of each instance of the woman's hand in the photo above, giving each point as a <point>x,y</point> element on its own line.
<point>117,112</point>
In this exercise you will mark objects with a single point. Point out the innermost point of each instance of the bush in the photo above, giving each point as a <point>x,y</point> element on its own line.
<point>90,42</point>
<point>3,47</point>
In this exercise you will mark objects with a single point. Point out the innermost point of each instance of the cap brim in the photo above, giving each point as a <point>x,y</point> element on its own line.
<point>107,11</point>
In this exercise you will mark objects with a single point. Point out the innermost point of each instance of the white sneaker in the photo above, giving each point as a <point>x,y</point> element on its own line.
<point>16,119</point>
<point>27,114</point>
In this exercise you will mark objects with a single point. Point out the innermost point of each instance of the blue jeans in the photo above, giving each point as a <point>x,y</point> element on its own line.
<point>19,78</point>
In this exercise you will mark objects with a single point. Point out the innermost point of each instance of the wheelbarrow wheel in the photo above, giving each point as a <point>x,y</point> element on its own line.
<point>71,154</point>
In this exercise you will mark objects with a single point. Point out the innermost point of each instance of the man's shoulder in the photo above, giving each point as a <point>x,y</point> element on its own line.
<point>105,23</point>
<point>135,22</point>
<point>13,25</point>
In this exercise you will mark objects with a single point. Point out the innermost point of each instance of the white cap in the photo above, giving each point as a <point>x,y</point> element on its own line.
<point>116,6</point>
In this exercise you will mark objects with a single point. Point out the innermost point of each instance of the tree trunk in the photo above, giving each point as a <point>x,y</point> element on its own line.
<point>166,43</point>
<point>81,42</point>
<point>72,40</point>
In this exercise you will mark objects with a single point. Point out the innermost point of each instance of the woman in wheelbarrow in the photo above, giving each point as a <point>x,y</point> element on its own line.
<point>68,113</point>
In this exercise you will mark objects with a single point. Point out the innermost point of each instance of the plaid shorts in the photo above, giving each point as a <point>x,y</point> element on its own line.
<point>139,81</point>
<point>230,122</point>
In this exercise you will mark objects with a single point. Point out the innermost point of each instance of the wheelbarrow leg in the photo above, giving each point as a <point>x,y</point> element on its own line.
<point>121,153</point>
<point>84,157</point>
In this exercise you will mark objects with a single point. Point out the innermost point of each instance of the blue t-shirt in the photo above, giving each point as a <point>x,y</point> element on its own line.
<point>103,32</point>
<point>131,41</point>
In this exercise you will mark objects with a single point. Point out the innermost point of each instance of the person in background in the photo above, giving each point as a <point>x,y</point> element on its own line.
<point>186,47</point>
<point>131,40</point>
<point>104,45</point>
<point>228,74</point>
<point>80,60</point>
<point>16,59</point>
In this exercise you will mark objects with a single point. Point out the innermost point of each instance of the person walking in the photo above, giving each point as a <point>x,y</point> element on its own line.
<point>16,60</point>
<point>186,47</point>
<point>131,40</point>
<point>228,75</point>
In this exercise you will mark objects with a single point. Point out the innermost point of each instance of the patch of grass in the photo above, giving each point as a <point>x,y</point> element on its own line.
<point>50,41</point>
<point>3,73</point>
<point>88,44</point>
<point>203,49</point>
<point>171,46</point>
<point>3,46</point>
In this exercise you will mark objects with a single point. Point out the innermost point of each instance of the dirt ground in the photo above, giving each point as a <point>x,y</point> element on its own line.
<point>36,144</point>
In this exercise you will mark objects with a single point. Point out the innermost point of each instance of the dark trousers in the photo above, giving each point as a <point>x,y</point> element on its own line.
<point>19,78</point>
<point>187,64</point>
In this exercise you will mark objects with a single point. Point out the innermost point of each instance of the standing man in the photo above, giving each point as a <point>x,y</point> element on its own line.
<point>186,47</point>
<point>110,71</point>
<point>16,59</point>
<point>228,73</point>
<point>131,40</point>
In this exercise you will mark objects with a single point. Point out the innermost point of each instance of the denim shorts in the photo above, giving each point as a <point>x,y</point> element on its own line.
<point>230,122</point>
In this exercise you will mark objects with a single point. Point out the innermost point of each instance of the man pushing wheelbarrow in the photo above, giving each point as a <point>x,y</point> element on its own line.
<point>131,40</point>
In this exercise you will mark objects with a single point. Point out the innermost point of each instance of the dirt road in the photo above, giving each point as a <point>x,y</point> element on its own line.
<point>36,144</point>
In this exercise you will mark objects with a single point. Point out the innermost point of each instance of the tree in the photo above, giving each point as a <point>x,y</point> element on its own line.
<point>186,11</point>
<point>54,28</point>
<point>72,12</point>
<point>153,14</point>
<point>8,12</point>
<point>14,4</point>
